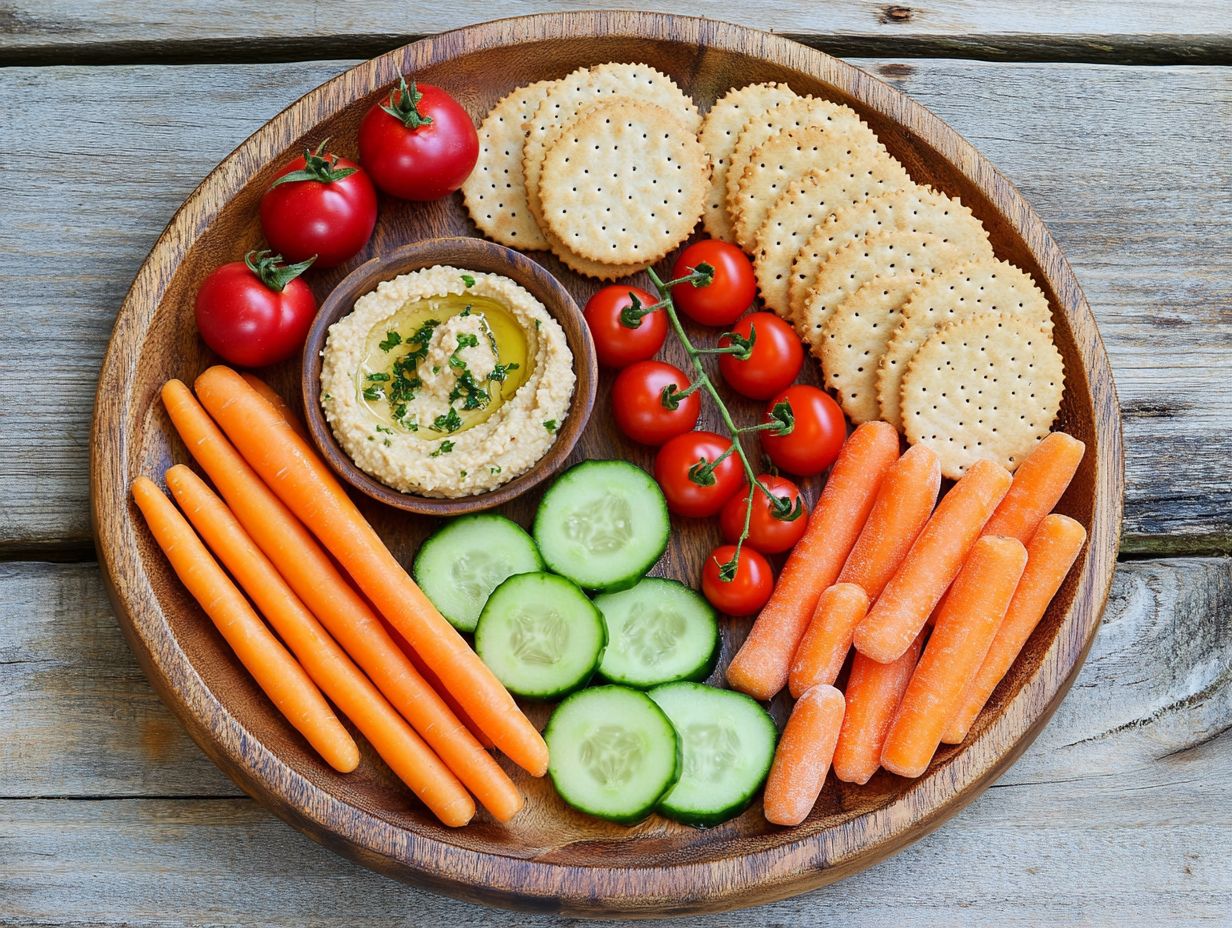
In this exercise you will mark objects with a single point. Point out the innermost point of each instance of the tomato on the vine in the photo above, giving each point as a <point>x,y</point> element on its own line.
<point>747,590</point>
<point>622,329</point>
<point>694,474</point>
<point>646,403</point>
<point>816,436</point>
<point>730,291</point>
<point>775,526</point>
<point>771,360</point>
<point>419,144</point>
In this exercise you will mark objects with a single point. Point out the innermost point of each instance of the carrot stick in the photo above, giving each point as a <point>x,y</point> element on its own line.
<point>1051,552</point>
<point>802,758</point>
<point>326,663</point>
<point>932,563</point>
<point>873,694</point>
<point>904,502</point>
<point>316,580</point>
<point>1039,482</point>
<point>302,481</point>
<point>828,639</point>
<point>760,668</point>
<point>271,396</point>
<point>275,671</point>
<point>966,624</point>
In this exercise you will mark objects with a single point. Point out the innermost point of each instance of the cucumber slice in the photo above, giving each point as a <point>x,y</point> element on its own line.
<point>540,635</point>
<point>602,524</point>
<point>728,744</point>
<point>658,632</point>
<point>464,560</point>
<point>614,754</point>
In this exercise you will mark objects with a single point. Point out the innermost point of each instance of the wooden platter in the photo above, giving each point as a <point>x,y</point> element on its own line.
<point>549,858</point>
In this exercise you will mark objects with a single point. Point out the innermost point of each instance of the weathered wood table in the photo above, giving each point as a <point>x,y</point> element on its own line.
<point>1116,121</point>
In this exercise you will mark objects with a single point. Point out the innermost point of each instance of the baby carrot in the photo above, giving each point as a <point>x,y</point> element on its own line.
<point>271,396</point>
<point>1039,483</point>
<point>302,481</point>
<point>1051,552</point>
<point>276,672</point>
<point>760,667</point>
<point>873,693</point>
<point>803,756</point>
<point>966,624</point>
<point>326,663</point>
<point>932,563</point>
<point>904,502</point>
<point>828,639</point>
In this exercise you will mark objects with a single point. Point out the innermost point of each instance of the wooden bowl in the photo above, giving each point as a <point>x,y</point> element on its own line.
<point>472,254</point>
<point>550,858</point>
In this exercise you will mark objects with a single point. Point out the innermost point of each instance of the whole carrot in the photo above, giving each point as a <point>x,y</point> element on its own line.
<point>760,668</point>
<point>824,647</point>
<point>966,624</point>
<point>1051,552</point>
<point>1039,482</point>
<point>931,564</point>
<point>802,758</point>
<point>276,671</point>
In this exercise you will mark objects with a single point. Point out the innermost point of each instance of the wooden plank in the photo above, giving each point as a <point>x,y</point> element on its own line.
<point>1119,815</point>
<point>1114,182</point>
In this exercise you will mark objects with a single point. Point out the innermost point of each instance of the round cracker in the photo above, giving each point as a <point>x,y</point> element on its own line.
<point>986,386</point>
<point>720,131</point>
<point>987,286</point>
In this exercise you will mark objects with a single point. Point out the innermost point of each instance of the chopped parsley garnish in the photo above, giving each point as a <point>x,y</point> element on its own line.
<point>327,396</point>
<point>387,431</point>
<point>373,393</point>
<point>467,340</point>
<point>436,368</point>
<point>461,475</point>
<point>468,280</point>
<point>495,468</point>
<point>388,443</point>
<point>501,371</point>
<point>447,422</point>
<point>444,448</point>
<point>469,391</point>
<point>550,425</point>
<point>390,341</point>
<point>378,376</point>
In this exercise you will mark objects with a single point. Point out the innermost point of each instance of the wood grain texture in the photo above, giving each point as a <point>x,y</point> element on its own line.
<point>1117,816</point>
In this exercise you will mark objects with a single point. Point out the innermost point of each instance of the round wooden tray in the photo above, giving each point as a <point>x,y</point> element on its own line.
<point>549,858</point>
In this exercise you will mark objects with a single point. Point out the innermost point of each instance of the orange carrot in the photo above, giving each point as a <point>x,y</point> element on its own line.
<point>966,624</point>
<point>311,573</point>
<point>802,758</point>
<point>302,481</point>
<point>276,672</point>
<point>873,693</point>
<point>760,668</point>
<point>1051,552</point>
<point>904,502</point>
<point>326,663</point>
<point>1039,483</point>
<point>271,396</point>
<point>825,645</point>
<point>931,564</point>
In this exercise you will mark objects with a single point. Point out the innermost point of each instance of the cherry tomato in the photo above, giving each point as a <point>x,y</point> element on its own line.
<point>618,344</point>
<point>319,205</point>
<point>256,311</point>
<point>638,406</point>
<point>688,459</point>
<point>768,533</point>
<point>724,299</point>
<point>419,144</point>
<point>747,591</point>
<point>816,437</point>
<point>773,361</point>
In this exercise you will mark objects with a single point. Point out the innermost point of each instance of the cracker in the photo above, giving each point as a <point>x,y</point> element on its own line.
<point>854,338</point>
<point>720,130</point>
<point>495,192</point>
<point>985,386</point>
<point>625,182</point>
<point>988,286</point>
<point>913,208</point>
<point>807,202</point>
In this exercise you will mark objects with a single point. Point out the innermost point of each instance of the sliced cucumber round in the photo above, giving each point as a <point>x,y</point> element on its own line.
<point>614,754</point>
<point>540,635</point>
<point>602,524</point>
<point>658,632</point>
<point>727,740</point>
<point>464,560</point>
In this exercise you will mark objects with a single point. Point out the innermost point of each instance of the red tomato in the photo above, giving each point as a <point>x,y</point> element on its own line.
<point>618,344</point>
<point>319,205</point>
<point>724,299</point>
<point>768,533</point>
<point>677,466</point>
<point>817,434</point>
<point>256,311</point>
<point>638,406</point>
<point>747,591</point>
<point>419,144</point>
<point>773,361</point>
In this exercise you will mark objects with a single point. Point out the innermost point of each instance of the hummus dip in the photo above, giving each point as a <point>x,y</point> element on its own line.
<point>446,382</point>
